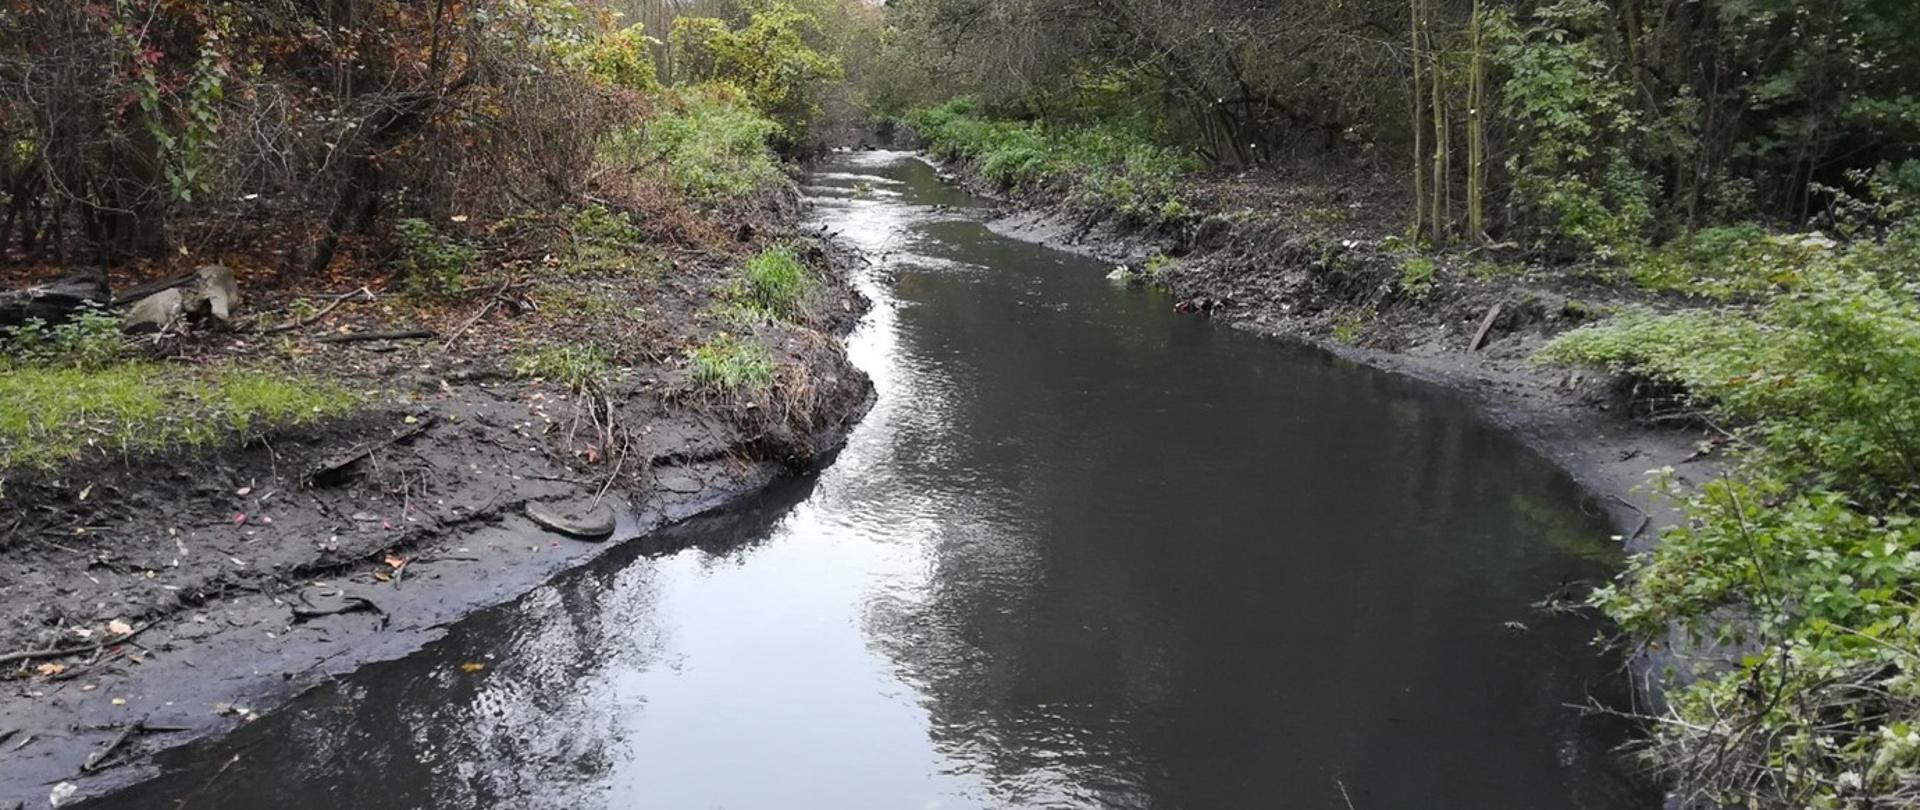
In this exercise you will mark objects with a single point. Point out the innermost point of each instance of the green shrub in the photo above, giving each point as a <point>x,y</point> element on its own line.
<point>1416,277</point>
<point>579,367</point>
<point>1807,555</point>
<point>730,364</point>
<point>90,340</point>
<point>710,141</point>
<point>1725,262</point>
<point>432,265</point>
<point>769,59</point>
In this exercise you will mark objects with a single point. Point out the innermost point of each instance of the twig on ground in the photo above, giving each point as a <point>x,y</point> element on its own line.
<point>356,337</point>
<point>74,649</point>
<point>96,760</point>
<point>315,318</point>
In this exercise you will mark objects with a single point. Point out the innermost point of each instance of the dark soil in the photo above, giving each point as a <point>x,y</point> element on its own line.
<point>153,601</point>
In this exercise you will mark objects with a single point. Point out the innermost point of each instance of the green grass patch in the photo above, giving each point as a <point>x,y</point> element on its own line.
<point>731,364</point>
<point>775,285</point>
<point>601,240</point>
<point>1106,164</point>
<point>61,414</point>
<point>578,367</point>
<point>710,142</point>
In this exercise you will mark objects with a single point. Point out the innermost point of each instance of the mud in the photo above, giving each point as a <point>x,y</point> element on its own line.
<point>148,603</point>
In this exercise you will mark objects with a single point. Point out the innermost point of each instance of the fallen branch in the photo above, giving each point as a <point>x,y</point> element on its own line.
<point>1486,326</point>
<point>491,302</point>
<point>351,604</point>
<point>356,337</point>
<point>315,318</point>
<point>96,759</point>
<point>144,290</point>
<point>325,472</point>
<point>74,649</point>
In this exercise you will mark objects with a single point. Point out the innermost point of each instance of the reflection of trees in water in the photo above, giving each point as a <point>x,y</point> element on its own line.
<point>1135,602</point>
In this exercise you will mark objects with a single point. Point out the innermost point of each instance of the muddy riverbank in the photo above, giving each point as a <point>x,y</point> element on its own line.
<point>149,602</point>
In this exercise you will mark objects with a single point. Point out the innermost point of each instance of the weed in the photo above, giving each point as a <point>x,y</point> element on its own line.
<point>432,265</point>
<point>1416,277</point>
<point>601,240</point>
<point>1348,325</point>
<point>90,340</point>
<point>579,367</point>
<point>776,284</point>
<point>730,364</point>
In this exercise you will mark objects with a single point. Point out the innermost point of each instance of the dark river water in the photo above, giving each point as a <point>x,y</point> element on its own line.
<point>1084,553</point>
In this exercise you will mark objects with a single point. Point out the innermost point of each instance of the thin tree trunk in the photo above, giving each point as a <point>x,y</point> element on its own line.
<point>1477,131</point>
<point>1419,126</point>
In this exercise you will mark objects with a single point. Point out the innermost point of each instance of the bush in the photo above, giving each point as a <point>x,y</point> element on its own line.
<point>1726,262</point>
<point>91,340</point>
<point>1416,277</point>
<point>730,364</point>
<point>431,265</point>
<point>1805,559</point>
<point>711,142</point>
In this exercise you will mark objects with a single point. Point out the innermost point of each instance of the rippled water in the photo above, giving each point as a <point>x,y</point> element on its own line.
<point>1083,553</point>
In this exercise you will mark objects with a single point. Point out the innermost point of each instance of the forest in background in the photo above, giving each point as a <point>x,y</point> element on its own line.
<point>1749,165</point>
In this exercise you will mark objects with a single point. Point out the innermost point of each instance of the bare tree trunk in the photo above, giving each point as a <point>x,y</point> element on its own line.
<point>1477,130</point>
<point>1419,125</point>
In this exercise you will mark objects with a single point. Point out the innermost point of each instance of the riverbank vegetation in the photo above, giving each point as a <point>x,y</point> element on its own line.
<point>537,171</point>
<point>1741,173</point>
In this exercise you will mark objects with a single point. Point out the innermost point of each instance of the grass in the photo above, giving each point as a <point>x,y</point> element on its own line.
<point>712,145</point>
<point>731,364</point>
<point>774,284</point>
<point>1106,165</point>
<point>579,367</point>
<point>65,414</point>
<point>601,240</point>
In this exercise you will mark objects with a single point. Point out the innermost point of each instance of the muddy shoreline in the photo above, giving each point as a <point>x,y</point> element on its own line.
<point>225,584</point>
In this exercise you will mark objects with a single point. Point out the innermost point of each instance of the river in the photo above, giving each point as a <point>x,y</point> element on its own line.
<point>1084,552</point>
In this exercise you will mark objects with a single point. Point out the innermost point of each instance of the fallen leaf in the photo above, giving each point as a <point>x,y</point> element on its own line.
<point>394,560</point>
<point>50,669</point>
<point>119,701</point>
<point>119,628</point>
<point>472,666</point>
